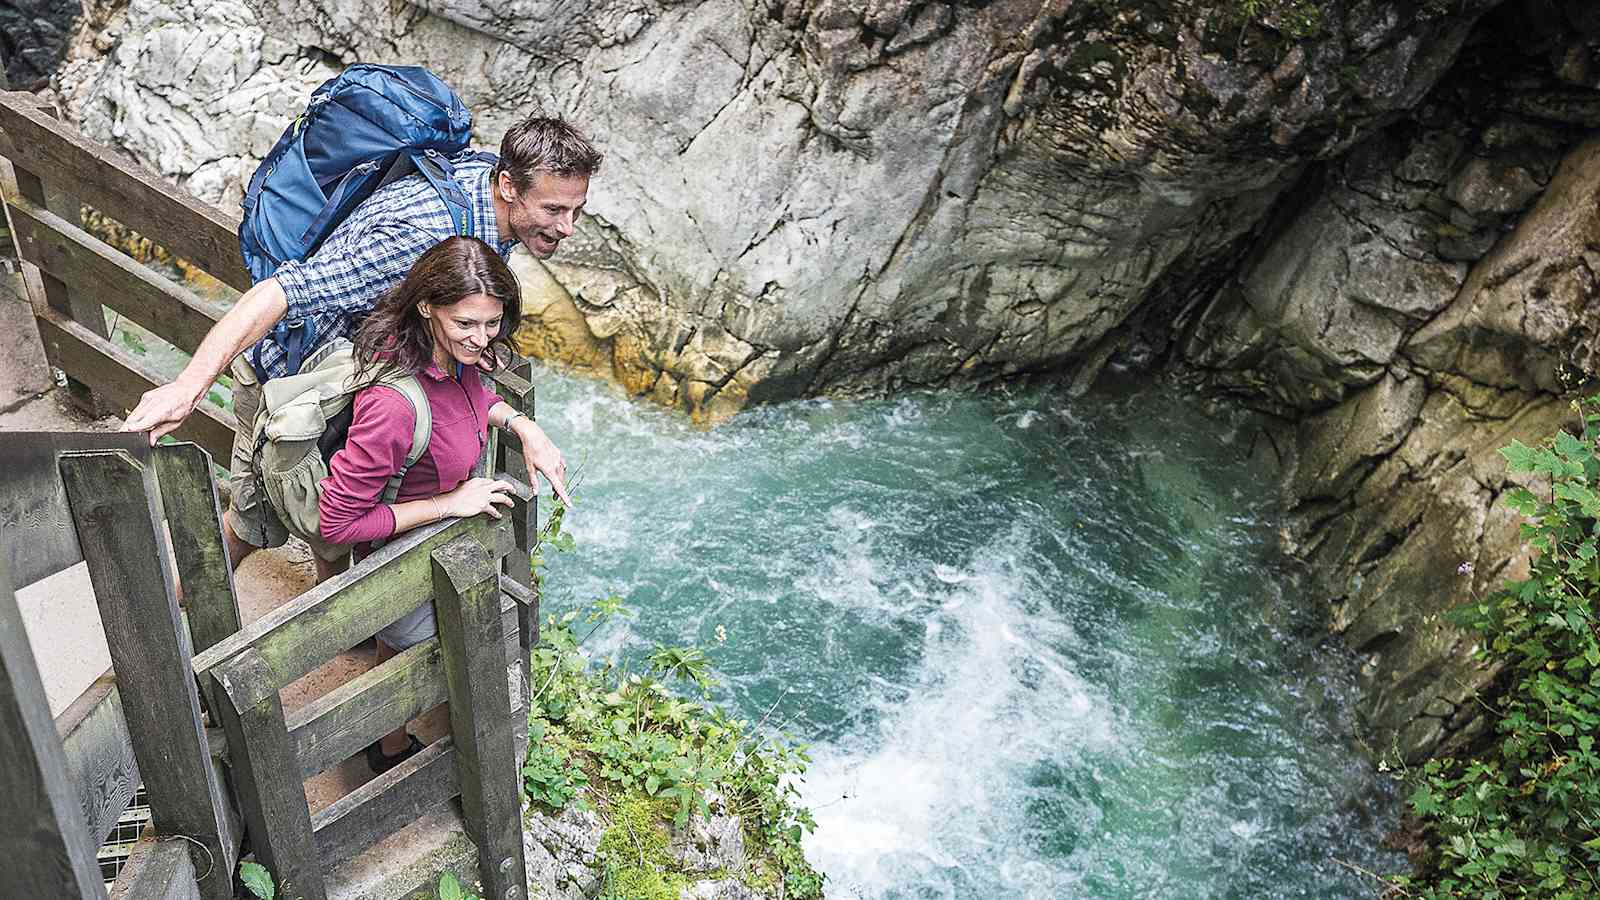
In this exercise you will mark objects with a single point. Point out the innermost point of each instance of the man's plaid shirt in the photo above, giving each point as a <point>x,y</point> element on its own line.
<point>370,252</point>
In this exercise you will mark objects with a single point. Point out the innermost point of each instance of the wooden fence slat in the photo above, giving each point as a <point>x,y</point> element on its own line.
<point>123,378</point>
<point>387,803</point>
<point>46,291</point>
<point>134,196</point>
<point>114,507</point>
<point>194,518</point>
<point>516,387</point>
<point>326,620</point>
<point>266,776</point>
<point>157,870</point>
<point>99,754</point>
<point>89,265</point>
<point>43,838</point>
<point>36,535</point>
<point>336,725</point>
<point>467,585</point>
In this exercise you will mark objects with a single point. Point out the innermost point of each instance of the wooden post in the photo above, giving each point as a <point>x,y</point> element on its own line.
<point>46,844</point>
<point>524,513</point>
<point>114,508</point>
<point>467,606</point>
<point>194,519</point>
<point>266,775</point>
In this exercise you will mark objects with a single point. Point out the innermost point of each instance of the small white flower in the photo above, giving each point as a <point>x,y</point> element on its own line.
<point>722,635</point>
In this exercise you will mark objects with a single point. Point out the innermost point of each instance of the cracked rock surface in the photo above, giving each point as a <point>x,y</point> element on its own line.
<point>1382,233</point>
<point>563,861</point>
<point>1413,307</point>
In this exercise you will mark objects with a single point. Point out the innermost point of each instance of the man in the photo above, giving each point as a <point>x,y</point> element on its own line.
<point>532,196</point>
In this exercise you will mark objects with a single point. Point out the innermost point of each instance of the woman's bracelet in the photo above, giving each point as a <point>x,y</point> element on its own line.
<point>512,418</point>
<point>438,511</point>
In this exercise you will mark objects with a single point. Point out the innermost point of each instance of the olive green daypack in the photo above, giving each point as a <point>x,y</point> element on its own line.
<point>305,419</point>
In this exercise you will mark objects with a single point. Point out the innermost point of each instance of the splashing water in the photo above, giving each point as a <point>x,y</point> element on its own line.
<point>1040,648</point>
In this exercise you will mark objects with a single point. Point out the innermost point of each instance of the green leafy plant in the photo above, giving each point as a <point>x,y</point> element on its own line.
<point>1521,818</point>
<point>450,888</point>
<point>257,880</point>
<point>645,759</point>
<point>547,775</point>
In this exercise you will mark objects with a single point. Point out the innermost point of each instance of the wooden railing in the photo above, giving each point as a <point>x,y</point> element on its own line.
<point>270,753</point>
<point>71,274</point>
<point>135,515</point>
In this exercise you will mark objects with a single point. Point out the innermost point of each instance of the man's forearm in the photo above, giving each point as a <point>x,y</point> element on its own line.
<point>258,309</point>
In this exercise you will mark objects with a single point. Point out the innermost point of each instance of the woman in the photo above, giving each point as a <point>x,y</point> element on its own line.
<point>454,312</point>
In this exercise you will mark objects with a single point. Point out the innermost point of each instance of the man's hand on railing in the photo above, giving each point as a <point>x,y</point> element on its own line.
<point>161,410</point>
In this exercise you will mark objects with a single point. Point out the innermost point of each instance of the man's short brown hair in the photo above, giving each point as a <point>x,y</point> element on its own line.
<point>545,144</point>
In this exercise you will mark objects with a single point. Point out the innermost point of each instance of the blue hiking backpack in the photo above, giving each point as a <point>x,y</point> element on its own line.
<point>362,129</point>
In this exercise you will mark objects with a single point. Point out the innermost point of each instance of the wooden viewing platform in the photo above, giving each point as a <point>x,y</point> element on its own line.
<point>192,705</point>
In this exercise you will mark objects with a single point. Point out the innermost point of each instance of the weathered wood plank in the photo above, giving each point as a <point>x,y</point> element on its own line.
<point>114,508</point>
<point>134,196</point>
<point>334,726</point>
<point>87,264</point>
<point>99,754</point>
<point>157,870</point>
<point>45,289</point>
<point>467,585</point>
<point>194,518</point>
<point>387,803</point>
<point>516,387</point>
<point>44,840</point>
<point>23,98</point>
<point>266,776</point>
<point>300,635</point>
<point>36,534</point>
<point>122,378</point>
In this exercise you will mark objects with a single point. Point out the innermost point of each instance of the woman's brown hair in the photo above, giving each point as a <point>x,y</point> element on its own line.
<point>395,340</point>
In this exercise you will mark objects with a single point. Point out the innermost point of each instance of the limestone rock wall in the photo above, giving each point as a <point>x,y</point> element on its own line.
<point>1427,297</point>
<point>828,196</point>
<point>1374,220</point>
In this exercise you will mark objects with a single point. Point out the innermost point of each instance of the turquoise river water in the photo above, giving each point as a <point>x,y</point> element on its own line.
<point>1040,648</point>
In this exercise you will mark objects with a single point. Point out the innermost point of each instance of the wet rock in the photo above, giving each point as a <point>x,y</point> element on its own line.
<point>33,40</point>
<point>1527,309</point>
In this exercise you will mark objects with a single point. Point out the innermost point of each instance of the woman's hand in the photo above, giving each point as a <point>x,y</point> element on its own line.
<point>476,495</point>
<point>541,455</point>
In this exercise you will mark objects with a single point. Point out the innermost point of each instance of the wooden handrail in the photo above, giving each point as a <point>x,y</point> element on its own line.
<point>84,262</point>
<point>136,197</point>
<point>346,609</point>
<point>121,377</point>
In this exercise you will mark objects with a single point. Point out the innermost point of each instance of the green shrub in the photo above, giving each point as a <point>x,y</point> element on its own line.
<point>1522,817</point>
<point>622,742</point>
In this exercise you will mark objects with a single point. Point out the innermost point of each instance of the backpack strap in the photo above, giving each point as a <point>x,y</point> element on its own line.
<point>441,173</point>
<point>411,389</point>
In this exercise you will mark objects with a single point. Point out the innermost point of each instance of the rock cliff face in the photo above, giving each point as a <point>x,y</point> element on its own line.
<point>1373,220</point>
<point>33,39</point>
<point>1426,298</point>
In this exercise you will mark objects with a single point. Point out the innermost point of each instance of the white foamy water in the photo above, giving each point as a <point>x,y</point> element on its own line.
<point>1037,650</point>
